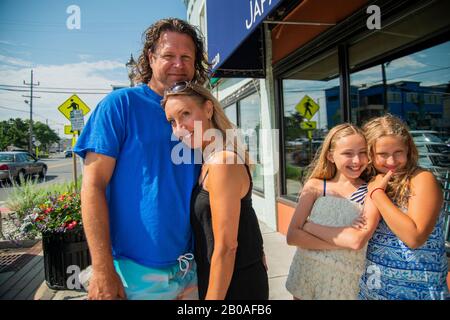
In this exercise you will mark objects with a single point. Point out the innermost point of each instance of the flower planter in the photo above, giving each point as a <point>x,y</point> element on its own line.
<point>62,250</point>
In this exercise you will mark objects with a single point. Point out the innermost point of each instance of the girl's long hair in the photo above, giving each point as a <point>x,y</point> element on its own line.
<point>321,167</point>
<point>399,188</point>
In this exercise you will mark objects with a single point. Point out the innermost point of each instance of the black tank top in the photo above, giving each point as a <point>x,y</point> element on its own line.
<point>250,242</point>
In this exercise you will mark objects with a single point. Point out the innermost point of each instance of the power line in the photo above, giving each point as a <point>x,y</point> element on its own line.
<point>45,91</point>
<point>12,100</point>
<point>34,113</point>
<point>410,75</point>
<point>1,107</point>
<point>59,88</point>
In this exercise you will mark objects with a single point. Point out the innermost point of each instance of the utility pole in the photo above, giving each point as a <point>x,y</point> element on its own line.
<point>59,141</point>
<point>31,84</point>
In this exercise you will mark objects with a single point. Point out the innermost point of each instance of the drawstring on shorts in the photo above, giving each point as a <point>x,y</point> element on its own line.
<point>183,262</point>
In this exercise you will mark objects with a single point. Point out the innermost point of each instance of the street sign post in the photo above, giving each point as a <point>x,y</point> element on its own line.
<point>68,130</point>
<point>77,120</point>
<point>37,143</point>
<point>308,125</point>
<point>72,104</point>
<point>74,109</point>
<point>307,107</point>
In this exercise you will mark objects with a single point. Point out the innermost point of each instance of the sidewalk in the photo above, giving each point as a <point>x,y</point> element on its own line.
<point>278,254</point>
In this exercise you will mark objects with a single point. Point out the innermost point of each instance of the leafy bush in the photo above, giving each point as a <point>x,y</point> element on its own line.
<point>293,173</point>
<point>59,213</point>
<point>29,194</point>
<point>25,198</point>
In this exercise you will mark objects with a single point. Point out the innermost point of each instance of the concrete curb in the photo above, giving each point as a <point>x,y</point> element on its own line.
<point>44,293</point>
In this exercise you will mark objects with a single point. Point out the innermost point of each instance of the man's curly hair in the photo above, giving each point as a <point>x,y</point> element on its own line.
<point>143,71</point>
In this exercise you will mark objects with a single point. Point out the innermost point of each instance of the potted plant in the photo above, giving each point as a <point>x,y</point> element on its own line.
<point>64,244</point>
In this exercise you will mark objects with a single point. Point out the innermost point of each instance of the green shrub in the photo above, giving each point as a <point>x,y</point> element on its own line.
<point>292,172</point>
<point>29,195</point>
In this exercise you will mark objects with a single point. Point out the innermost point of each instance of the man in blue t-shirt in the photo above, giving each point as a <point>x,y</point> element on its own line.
<point>135,197</point>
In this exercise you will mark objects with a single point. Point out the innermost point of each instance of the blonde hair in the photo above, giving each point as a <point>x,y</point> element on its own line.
<point>321,167</point>
<point>398,188</point>
<point>219,119</point>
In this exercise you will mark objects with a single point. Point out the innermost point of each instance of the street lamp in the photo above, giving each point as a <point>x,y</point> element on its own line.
<point>131,64</point>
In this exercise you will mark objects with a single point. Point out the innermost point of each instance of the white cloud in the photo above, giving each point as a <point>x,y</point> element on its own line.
<point>93,75</point>
<point>84,56</point>
<point>405,63</point>
<point>8,43</point>
<point>14,61</point>
<point>366,80</point>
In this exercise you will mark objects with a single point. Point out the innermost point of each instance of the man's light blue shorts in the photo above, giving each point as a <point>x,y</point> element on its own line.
<point>178,282</point>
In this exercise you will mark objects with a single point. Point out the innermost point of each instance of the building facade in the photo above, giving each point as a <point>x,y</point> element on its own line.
<point>289,70</point>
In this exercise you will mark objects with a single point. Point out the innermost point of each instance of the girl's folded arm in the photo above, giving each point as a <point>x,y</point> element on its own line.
<point>296,236</point>
<point>352,237</point>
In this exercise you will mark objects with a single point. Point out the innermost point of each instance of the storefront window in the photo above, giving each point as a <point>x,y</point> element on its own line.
<point>231,113</point>
<point>311,108</point>
<point>250,123</point>
<point>417,88</point>
<point>427,18</point>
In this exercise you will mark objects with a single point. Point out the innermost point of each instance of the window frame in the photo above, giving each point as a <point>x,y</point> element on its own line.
<point>337,38</point>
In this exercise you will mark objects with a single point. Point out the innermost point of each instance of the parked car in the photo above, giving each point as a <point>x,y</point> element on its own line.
<point>425,136</point>
<point>303,154</point>
<point>68,153</point>
<point>296,142</point>
<point>438,163</point>
<point>17,165</point>
<point>432,147</point>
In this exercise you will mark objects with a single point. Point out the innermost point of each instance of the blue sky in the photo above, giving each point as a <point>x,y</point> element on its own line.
<point>34,35</point>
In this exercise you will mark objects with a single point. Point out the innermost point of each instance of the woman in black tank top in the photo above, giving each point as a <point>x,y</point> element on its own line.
<point>228,242</point>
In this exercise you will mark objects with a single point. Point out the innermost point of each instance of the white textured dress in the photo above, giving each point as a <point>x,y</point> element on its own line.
<point>329,274</point>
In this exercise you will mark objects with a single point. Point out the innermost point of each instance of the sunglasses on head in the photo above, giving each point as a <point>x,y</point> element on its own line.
<point>180,87</point>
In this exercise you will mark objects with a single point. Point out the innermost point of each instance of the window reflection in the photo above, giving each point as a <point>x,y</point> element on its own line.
<point>303,133</point>
<point>415,88</point>
<point>250,123</point>
<point>231,113</point>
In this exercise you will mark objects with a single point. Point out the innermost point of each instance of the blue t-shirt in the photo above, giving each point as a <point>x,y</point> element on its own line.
<point>148,194</point>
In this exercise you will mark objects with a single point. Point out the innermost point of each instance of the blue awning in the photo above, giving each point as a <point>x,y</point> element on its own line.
<point>235,37</point>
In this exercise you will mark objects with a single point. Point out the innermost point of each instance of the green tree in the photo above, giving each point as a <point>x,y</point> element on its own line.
<point>16,132</point>
<point>292,125</point>
<point>13,132</point>
<point>44,135</point>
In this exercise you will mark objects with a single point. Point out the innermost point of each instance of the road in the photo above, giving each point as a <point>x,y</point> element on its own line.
<point>60,170</point>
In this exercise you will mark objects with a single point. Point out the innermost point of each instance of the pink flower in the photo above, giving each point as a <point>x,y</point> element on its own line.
<point>71,225</point>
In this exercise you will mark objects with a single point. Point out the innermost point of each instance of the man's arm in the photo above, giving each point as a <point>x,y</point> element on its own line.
<point>105,283</point>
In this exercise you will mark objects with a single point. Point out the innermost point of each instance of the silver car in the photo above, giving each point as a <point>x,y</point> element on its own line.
<point>17,165</point>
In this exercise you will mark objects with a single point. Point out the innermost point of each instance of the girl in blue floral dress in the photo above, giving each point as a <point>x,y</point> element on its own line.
<point>406,257</point>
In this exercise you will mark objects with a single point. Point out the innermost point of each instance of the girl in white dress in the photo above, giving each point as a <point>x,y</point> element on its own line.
<point>333,196</point>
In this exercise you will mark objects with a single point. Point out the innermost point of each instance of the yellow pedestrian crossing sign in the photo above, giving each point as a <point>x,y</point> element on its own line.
<point>72,104</point>
<point>307,107</point>
<point>68,130</point>
<point>308,125</point>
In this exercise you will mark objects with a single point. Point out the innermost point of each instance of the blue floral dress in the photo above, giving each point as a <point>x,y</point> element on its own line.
<point>395,272</point>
